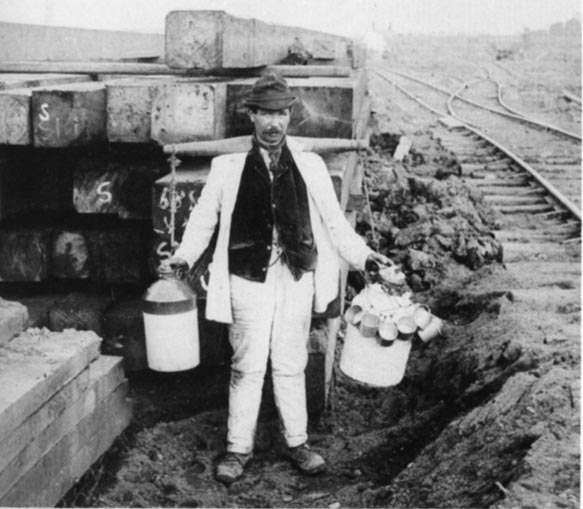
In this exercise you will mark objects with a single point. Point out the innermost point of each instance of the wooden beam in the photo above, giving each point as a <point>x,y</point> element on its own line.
<point>129,109</point>
<point>81,311</point>
<point>35,367</point>
<point>240,144</point>
<point>22,436</point>
<point>110,255</point>
<point>33,180</point>
<point>58,470</point>
<point>17,81</point>
<point>112,185</point>
<point>214,40</point>
<point>325,107</point>
<point>69,115</point>
<point>13,320</point>
<point>35,42</point>
<point>15,109</point>
<point>105,375</point>
<point>85,67</point>
<point>189,110</point>
<point>24,254</point>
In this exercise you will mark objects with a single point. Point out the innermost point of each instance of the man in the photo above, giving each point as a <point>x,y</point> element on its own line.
<point>276,258</point>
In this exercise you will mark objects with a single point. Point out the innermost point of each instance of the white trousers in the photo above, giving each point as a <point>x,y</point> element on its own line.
<point>271,320</point>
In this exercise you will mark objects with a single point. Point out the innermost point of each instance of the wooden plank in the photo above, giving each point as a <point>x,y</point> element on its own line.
<point>113,185</point>
<point>104,375</point>
<point>35,42</point>
<point>69,115</point>
<point>116,255</point>
<point>326,107</point>
<point>214,40</point>
<point>13,319</point>
<point>58,470</point>
<point>189,110</point>
<point>34,366</point>
<point>129,109</point>
<point>24,255</point>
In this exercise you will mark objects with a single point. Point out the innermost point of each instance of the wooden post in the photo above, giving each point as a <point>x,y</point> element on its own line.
<point>69,115</point>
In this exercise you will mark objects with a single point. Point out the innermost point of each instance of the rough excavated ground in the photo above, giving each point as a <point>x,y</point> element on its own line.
<point>486,416</point>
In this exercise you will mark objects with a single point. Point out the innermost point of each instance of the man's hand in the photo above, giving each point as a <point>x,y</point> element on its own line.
<point>175,265</point>
<point>375,260</point>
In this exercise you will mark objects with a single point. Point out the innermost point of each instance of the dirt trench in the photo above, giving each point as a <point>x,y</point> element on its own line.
<point>486,416</point>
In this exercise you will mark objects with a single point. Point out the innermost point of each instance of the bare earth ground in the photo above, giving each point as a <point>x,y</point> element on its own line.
<point>486,416</point>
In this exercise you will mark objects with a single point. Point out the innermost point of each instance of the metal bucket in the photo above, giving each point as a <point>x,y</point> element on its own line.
<point>365,360</point>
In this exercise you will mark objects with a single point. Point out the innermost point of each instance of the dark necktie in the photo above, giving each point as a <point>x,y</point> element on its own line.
<point>274,160</point>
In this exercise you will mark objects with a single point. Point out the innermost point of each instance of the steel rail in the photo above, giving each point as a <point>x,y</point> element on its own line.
<point>550,188</point>
<point>518,118</point>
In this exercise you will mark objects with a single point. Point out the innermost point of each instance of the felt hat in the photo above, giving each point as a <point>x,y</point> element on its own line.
<point>270,92</point>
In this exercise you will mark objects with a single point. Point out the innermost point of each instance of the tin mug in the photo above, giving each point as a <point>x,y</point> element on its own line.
<point>388,332</point>
<point>406,327</point>
<point>353,314</point>
<point>369,325</point>
<point>422,316</point>
<point>432,330</point>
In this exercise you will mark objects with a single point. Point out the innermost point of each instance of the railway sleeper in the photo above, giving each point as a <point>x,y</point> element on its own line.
<point>480,160</point>
<point>538,251</point>
<point>525,236</point>
<point>514,199</point>
<point>541,208</point>
<point>501,190</point>
<point>499,164</point>
<point>492,174</point>
<point>491,181</point>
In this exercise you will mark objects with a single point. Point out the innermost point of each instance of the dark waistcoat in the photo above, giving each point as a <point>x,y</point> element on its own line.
<point>263,204</point>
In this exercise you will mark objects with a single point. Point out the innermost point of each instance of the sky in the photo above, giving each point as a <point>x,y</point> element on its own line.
<point>345,17</point>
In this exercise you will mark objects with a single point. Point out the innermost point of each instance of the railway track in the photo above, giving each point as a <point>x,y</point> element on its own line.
<point>536,191</point>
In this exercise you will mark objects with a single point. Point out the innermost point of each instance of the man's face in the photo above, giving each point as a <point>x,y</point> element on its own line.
<point>270,126</point>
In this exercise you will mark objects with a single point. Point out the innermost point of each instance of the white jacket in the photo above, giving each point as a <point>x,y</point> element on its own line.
<point>332,233</point>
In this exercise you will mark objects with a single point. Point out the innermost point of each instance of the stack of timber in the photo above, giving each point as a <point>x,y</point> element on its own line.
<point>61,407</point>
<point>116,225</point>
